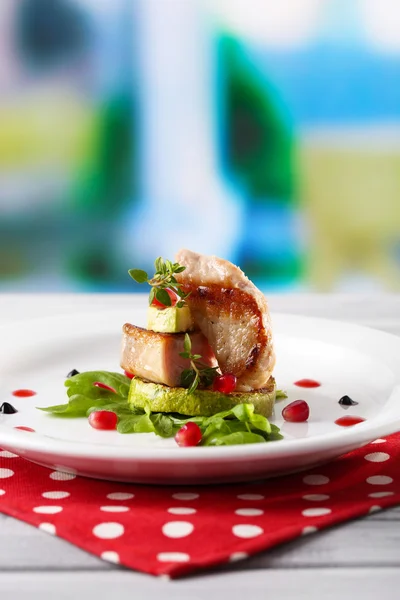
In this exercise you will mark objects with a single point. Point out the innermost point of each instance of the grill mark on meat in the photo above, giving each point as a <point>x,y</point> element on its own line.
<point>233,301</point>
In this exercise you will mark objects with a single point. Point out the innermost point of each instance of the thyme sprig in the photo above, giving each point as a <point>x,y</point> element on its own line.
<point>162,280</point>
<point>199,373</point>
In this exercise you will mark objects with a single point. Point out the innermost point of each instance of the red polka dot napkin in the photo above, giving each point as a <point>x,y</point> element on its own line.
<point>176,530</point>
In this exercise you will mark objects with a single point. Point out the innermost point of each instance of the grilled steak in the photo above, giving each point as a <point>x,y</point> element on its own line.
<point>155,356</point>
<point>232,314</point>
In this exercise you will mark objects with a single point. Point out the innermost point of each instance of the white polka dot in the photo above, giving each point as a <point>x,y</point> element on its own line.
<point>308,530</point>
<point>173,557</point>
<point>238,556</point>
<point>110,556</point>
<point>315,479</point>
<point>7,454</point>
<point>177,529</point>
<point>377,457</point>
<point>378,441</point>
<point>4,473</point>
<point>380,494</point>
<point>2,492</point>
<point>379,480</point>
<point>247,531</point>
<point>55,495</point>
<point>249,512</point>
<point>108,531</point>
<point>315,497</point>
<point>374,509</point>
<point>251,497</point>
<point>61,476</point>
<point>120,496</point>
<point>181,510</point>
<point>315,512</point>
<point>48,528</point>
<point>188,496</point>
<point>47,510</point>
<point>114,508</point>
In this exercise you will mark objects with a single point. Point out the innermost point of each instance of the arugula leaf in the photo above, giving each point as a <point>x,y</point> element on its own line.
<point>127,424</point>
<point>238,437</point>
<point>240,425</point>
<point>163,425</point>
<point>84,397</point>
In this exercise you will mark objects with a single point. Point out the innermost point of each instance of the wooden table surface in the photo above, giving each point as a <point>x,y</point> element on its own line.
<point>360,559</point>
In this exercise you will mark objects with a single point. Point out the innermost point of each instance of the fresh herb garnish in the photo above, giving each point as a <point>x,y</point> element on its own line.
<point>200,373</point>
<point>162,280</point>
<point>240,425</point>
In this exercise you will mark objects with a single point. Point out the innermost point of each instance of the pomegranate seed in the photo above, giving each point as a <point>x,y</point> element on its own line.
<point>103,419</point>
<point>296,412</point>
<point>130,375</point>
<point>188,435</point>
<point>224,383</point>
<point>103,386</point>
<point>171,294</point>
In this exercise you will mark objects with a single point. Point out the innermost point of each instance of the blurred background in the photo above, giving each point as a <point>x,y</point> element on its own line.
<point>265,132</point>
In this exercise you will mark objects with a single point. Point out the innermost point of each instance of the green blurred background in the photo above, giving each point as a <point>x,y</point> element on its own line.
<point>267,134</point>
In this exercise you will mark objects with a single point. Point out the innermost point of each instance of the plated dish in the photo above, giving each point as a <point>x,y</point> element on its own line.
<point>344,374</point>
<point>200,371</point>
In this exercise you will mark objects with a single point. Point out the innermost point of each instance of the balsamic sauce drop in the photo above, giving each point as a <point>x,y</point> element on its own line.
<point>7,409</point>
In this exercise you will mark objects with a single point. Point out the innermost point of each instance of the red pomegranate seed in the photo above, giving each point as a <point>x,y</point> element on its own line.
<point>130,375</point>
<point>103,419</point>
<point>296,412</point>
<point>224,383</point>
<point>103,386</point>
<point>188,435</point>
<point>173,297</point>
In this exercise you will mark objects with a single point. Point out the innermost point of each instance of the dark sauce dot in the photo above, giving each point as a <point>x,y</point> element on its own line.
<point>346,401</point>
<point>72,373</point>
<point>7,409</point>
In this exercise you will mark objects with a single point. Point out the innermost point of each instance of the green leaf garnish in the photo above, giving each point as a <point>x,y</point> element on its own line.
<point>240,425</point>
<point>138,275</point>
<point>163,296</point>
<point>200,373</point>
<point>163,279</point>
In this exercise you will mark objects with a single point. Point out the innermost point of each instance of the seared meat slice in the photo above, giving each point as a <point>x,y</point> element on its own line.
<point>233,315</point>
<point>155,356</point>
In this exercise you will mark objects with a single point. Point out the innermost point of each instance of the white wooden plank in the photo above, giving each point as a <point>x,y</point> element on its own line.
<point>312,584</point>
<point>365,542</point>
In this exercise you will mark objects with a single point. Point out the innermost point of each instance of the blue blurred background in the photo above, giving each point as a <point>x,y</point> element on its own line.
<point>264,132</point>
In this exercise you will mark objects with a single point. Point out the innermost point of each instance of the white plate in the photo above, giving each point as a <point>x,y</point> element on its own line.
<point>346,359</point>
